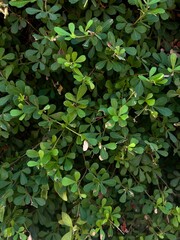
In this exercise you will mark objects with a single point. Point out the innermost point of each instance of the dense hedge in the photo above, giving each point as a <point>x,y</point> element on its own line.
<point>89,121</point>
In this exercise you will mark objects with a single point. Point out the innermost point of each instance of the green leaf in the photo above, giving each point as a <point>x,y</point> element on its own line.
<point>2,51</point>
<point>81,59</point>
<point>171,236</point>
<point>19,201</point>
<point>40,201</point>
<point>135,35</point>
<point>103,154</point>
<point>152,71</point>
<point>111,146</point>
<point>4,100</point>
<point>43,100</point>
<point>88,187</point>
<point>16,112</point>
<point>164,111</point>
<point>66,219</point>
<point>32,153</point>
<point>73,2</point>
<point>139,89</point>
<point>81,91</point>
<point>150,102</point>
<point>60,190</point>
<point>81,113</point>
<point>153,2</point>
<point>54,152</point>
<point>7,71</point>
<point>141,29</point>
<point>123,198</point>
<point>173,58</point>
<point>66,181</point>
<point>71,27</point>
<point>68,235</point>
<point>172,137</point>
<point>70,97</point>
<point>110,182</point>
<point>19,3</point>
<point>28,109</point>
<point>123,110</point>
<point>138,150</point>
<point>61,31</point>
<point>156,78</point>
<point>2,211</point>
<point>32,164</point>
<point>106,25</point>
<point>156,11</point>
<point>77,175</point>
<point>101,64</point>
<point>23,179</point>
<point>89,24</point>
<point>32,11</point>
<point>138,189</point>
<point>131,50</point>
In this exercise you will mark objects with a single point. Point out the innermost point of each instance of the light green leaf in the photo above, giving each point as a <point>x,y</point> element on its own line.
<point>66,219</point>
<point>71,27</point>
<point>150,102</point>
<point>70,97</point>
<point>2,211</point>
<point>61,31</point>
<point>152,71</point>
<point>16,112</point>
<point>66,181</point>
<point>156,11</point>
<point>123,110</point>
<point>77,175</point>
<point>67,236</point>
<point>54,152</point>
<point>81,91</point>
<point>173,58</point>
<point>81,59</point>
<point>32,164</point>
<point>60,190</point>
<point>32,153</point>
<point>89,24</point>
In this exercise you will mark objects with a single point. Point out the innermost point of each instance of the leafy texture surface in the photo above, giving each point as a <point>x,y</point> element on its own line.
<point>89,120</point>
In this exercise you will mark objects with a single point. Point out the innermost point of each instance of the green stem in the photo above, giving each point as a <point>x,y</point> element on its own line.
<point>63,125</point>
<point>58,140</point>
<point>139,18</point>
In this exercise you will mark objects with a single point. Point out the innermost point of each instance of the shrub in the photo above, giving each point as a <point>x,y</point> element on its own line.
<point>89,119</point>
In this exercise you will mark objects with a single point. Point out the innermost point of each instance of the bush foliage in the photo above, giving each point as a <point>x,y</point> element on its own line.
<point>89,119</point>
